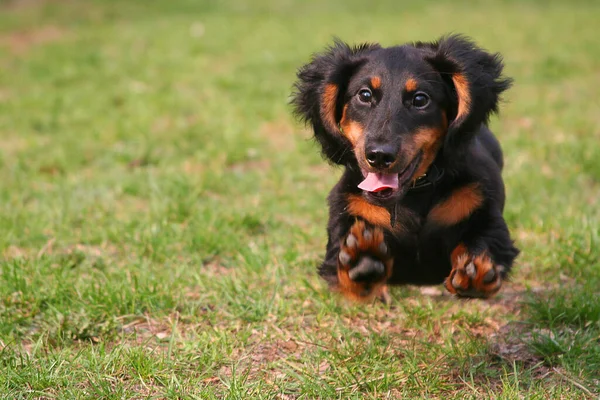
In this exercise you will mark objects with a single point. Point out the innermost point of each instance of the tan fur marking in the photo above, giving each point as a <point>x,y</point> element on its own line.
<point>354,291</point>
<point>346,286</point>
<point>461,203</point>
<point>464,98</point>
<point>429,141</point>
<point>410,85</point>
<point>362,291</point>
<point>375,82</point>
<point>458,251</point>
<point>458,278</point>
<point>427,137</point>
<point>328,106</point>
<point>484,264</point>
<point>449,287</point>
<point>359,207</point>
<point>343,120</point>
<point>351,129</point>
<point>444,120</point>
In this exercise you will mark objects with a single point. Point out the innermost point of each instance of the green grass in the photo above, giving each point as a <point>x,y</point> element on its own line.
<point>162,213</point>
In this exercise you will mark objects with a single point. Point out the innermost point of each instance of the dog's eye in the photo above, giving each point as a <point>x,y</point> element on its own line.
<point>420,100</point>
<point>365,95</point>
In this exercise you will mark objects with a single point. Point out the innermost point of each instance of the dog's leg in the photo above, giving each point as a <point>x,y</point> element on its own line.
<point>364,263</point>
<point>474,275</point>
<point>480,266</point>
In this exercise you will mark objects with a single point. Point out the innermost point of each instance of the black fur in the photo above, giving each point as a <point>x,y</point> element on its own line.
<point>468,153</point>
<point>454,54</point>
<point>334,65</point>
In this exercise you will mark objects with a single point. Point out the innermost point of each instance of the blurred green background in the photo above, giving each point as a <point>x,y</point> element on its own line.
<point>162,214</point>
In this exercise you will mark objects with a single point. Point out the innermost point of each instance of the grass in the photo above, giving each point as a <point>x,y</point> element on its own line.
<point>162,213</point>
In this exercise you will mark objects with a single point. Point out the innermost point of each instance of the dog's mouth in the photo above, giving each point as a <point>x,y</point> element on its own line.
<point>383,186</point>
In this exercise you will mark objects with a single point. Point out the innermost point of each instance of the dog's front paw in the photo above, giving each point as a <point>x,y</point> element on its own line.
<point>364,263</point>
<point>474,276</point>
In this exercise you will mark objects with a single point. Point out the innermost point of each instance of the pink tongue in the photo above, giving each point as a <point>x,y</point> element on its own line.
<point>377,182</point>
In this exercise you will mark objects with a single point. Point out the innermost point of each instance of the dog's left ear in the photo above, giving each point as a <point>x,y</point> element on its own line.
<point>319,95</point>
<point>475,81</point>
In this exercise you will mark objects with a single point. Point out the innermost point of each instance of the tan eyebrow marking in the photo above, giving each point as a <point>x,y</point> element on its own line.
<point>375,82</point>
<point>410,85</point>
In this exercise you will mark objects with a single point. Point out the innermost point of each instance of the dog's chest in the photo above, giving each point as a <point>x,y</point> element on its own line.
<point>399,220</point>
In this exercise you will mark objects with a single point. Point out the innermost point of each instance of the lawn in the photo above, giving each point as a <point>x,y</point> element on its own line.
<point>162,213</point>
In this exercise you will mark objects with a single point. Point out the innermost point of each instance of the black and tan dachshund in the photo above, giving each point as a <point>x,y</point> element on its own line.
<point>421,197</point>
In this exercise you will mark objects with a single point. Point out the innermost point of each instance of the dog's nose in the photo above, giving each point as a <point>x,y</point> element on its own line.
<point>380,156</point>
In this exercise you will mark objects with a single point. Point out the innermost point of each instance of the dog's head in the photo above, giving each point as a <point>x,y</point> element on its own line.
<point>389,111</point>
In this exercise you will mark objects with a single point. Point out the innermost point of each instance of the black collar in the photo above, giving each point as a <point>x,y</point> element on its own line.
<point>419,196</point>
<point>428,180</point>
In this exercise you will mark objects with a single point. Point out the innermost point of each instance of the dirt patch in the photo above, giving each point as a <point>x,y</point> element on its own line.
<point>260,357</point>
<point>22,41</point>
<point>507,302</point>
<point>509,344</point>
<point>271,351</point>
<point>12,252</point>
<point>146,328</point>
<point>75,252</point>
<point>90,251</point>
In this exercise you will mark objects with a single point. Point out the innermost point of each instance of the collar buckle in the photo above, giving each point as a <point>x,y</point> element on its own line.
<point>419,180</point>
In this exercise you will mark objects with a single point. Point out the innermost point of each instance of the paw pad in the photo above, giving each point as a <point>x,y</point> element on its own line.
<point>364,263</point>
<point>474,276</point>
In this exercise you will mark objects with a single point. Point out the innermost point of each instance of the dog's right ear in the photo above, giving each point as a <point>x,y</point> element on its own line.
<point>320,88</point>
<point>475,79</point>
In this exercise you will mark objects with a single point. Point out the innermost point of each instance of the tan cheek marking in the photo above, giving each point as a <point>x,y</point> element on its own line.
<point>328,106</point>
<point>410,85</point>
<point>427,137</point>
<point>351,129</point>
<point>444,120</point>
<point>464,98</point>
<point>461,203</point>
<point>429,141</point>
<point>375,82</point>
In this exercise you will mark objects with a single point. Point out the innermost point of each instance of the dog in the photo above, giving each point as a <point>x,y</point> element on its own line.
<point>421,197</point>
